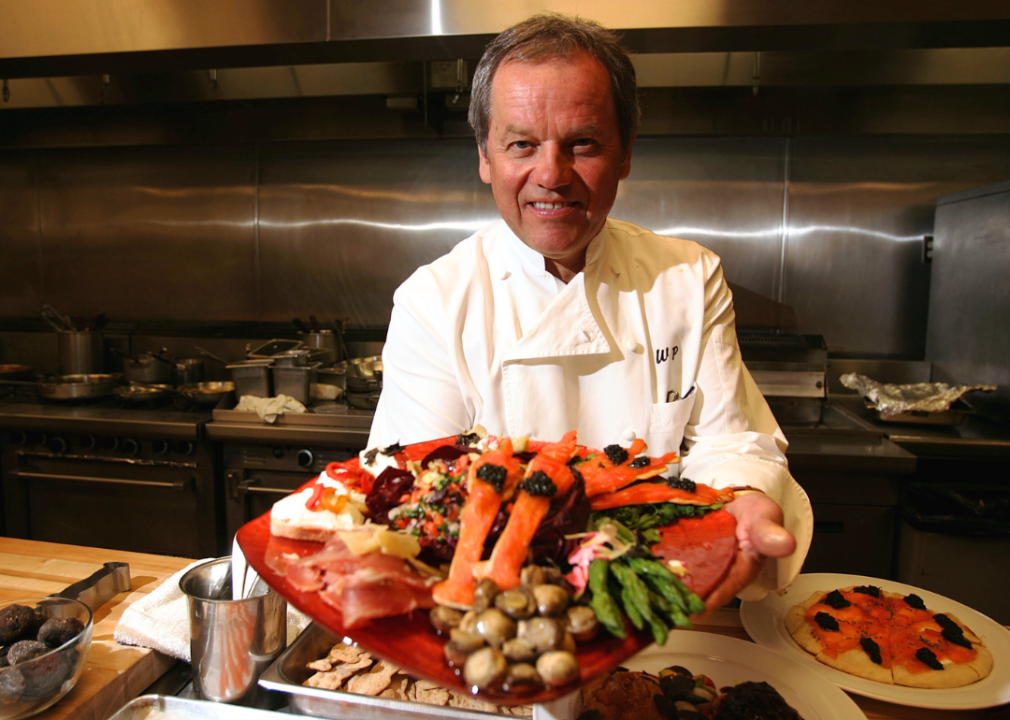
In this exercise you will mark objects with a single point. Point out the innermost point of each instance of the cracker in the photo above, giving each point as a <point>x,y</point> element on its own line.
<point>374,681</point>
<point>333,679</point>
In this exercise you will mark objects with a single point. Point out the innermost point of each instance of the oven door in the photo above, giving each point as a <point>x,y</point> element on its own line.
<point>152,507</point>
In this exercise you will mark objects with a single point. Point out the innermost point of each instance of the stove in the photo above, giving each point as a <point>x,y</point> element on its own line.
<point>790,371</point>
<point>104,473</point>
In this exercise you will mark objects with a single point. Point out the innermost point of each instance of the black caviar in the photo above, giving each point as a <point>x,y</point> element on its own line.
<point>640,462</point>
<point>616,453</point>
<point>915,601</point>
<point>836,600</point>
<point>928,657</point>
<point>827,622</point>
<point>871,590</point>
<point>539,484</point>
<point>872,649</point>
<point>682,484</point>
<point>952,632</point>
<point>493,475</point>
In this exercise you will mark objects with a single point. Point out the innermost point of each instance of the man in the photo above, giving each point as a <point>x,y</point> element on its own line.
<point>558,318</point>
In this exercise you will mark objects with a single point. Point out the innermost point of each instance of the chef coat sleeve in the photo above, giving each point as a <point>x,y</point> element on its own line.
<point>421,398</point>
<point>733,439</point>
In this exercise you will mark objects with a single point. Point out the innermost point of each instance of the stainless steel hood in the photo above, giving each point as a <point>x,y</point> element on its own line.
<point>53,38</point>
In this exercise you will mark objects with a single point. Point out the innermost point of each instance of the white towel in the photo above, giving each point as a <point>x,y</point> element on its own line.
<point>160,620</point>
<point>270,408</point>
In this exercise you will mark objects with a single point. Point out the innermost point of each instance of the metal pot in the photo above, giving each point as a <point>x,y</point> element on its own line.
<point>80,352</point>
<point>80,386</point>
<point>148,370</point>
<point>189,371</point>
<point>326,340</point>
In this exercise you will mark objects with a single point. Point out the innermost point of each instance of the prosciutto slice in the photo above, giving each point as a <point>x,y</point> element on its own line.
<point>361,587</point>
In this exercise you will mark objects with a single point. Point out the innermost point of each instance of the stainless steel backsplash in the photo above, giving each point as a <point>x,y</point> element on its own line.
<point>818,234</point>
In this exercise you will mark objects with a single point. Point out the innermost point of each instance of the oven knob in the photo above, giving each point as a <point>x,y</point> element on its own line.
<point>18,437</point>
<point>277,452</point>
<point>306,458</point>
<point>57,445</point>
<point>108,443</point>
<point>183,447</point>
<point>159,446</point>
<point>87,442</point>
<point>34,437</point>
<point>131,446</point>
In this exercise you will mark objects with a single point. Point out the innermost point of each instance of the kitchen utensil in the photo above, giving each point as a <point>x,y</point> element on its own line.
<point>267,350</point>
<point>141,392</point>
<point>188,371</point>
<point>15,372</point>
<point>325,340</point>
<point>339,325</point>
<point>54,673</point>
<point>206,393</point>
<point>212,356</point>
<point>231,641</point>
<point>315,323</point>
<point>80,386</point>
<point>56,318</point>
<point>295,381</point>
<point>101,586</point>
<point>80,352</point>
<point>145,369</point>
<point>362,401</point>
<point>251,378</point>
<point>302,327</point>
<point>292,358</point>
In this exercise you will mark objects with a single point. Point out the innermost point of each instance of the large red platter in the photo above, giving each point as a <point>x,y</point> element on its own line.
<point>409,641</point>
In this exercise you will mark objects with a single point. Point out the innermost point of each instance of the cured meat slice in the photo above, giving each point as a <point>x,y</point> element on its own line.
<point>706,546</point>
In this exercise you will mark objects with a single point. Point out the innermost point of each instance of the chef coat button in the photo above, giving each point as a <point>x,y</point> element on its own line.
<point>629,435</point>
<point>616,270</point>
<point>634,347</point>
<point>586,334</point>
<point>505,274</point>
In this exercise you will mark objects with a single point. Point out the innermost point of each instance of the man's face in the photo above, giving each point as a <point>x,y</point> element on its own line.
<point>554,155</point>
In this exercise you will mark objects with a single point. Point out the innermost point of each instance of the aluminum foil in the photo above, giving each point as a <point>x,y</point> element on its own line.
<point>920,397</point>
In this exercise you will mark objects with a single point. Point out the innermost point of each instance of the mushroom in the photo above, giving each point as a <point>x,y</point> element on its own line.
<point>460,646</point>
<point>551,600</point>
<point>444,618</point>
<point>468,623</point>
<point>519,650</point>
<point>520,676</point>
<point>485,668</point>
<point>542,633</point>
<point>484,595</point>
<point>557,668</point>
<point>582,623</point>
<point>495,627</point>
<point>568,643</point>
<point>516,603</point>
<point>531,576</point>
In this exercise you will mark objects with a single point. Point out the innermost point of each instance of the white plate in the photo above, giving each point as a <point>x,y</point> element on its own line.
<point>764,621</point>
<point>729,661</point>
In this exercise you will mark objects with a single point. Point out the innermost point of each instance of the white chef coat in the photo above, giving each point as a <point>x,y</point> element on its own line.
<point>640,344</point>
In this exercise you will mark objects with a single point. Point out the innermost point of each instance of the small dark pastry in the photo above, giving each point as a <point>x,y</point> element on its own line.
<point>750,700</point>
<point>56,631</point>
<point>44,677</point>
<point>18,622</point>
<point>25,650</point>
<point>12,685</point>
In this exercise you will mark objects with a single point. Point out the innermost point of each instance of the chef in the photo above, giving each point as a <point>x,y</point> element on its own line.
<point>557,317</point>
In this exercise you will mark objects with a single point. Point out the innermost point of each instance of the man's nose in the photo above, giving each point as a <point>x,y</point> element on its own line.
<point>554,167</point>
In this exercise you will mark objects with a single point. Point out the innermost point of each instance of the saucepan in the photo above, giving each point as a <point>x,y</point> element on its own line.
<point>80,387</point>
<point>206,393</point>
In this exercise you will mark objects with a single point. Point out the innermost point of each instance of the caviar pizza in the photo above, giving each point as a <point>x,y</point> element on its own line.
<point>889,638</point>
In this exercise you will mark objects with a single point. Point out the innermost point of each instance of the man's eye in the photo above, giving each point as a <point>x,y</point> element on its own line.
<point>584,142</point>
<point>521,145</point>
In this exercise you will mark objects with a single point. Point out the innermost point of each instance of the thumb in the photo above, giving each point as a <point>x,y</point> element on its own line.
<point>771,539</point>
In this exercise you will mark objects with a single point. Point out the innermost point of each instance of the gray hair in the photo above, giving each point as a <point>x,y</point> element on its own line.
<point>548,37</point>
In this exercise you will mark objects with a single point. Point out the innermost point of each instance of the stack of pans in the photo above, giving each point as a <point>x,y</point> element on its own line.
<point>362,380</point>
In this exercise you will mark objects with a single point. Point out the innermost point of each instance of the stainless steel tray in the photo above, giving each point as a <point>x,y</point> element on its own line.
<point>163,707</point>
<point>288,672</point>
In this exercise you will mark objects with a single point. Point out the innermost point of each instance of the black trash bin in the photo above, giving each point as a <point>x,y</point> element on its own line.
<point>955,541</point>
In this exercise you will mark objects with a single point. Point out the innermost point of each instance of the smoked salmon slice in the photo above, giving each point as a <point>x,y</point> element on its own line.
<point>602,474</point>
<point>647,493</point>
<point>479,511</point>
<point>531,506</point>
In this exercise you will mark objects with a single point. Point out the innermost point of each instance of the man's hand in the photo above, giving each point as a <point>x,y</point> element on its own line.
<point>759,535</point>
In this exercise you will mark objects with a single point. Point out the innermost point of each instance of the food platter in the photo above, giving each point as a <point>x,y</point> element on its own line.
<point>408,641</point>
<point>729,661</point>
<point>764,621</point>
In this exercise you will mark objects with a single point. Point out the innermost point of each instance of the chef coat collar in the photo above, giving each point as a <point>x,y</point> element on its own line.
<point>533,262</point>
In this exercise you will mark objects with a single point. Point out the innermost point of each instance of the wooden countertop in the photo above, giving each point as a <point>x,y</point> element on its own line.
<point>114,673</point>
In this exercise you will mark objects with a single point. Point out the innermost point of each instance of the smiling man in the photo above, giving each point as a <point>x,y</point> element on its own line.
<point>558,317</point>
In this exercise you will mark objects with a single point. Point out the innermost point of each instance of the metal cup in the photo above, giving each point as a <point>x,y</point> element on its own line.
<point>80,352</point>
<point>231,641</point>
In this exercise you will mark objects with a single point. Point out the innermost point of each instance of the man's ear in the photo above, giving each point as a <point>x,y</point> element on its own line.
<point>626,161</point>
<point>485,166</point>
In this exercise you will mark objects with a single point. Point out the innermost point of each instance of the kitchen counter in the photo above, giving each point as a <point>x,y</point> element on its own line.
<point>114,673</point>
<point>974,437</point>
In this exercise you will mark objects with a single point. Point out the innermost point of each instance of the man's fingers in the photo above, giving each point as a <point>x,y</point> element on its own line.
<point>771,539</point>
<point>745,568</point>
